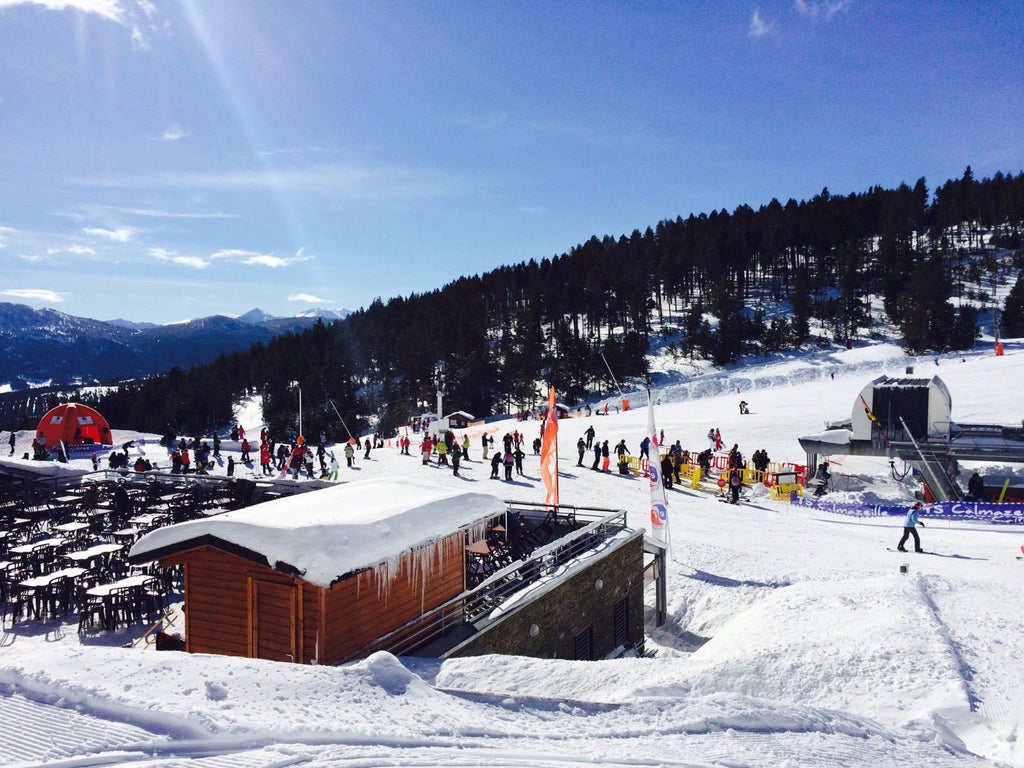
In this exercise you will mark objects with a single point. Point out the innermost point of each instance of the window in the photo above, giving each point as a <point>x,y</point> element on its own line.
<point>620,618</point>
<point>584,644</point>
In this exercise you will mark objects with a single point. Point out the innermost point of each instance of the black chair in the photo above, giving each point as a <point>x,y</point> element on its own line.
<point>91,609</point>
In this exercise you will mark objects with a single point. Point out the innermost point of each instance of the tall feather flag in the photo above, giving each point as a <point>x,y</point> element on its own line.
<point>659,504</point>
<point>549,452</point>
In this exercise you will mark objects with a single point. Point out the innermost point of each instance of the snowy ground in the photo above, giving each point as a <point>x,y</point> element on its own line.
<point>793,639</point>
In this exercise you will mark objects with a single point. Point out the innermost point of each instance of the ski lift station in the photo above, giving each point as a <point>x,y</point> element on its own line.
<point>910,419</point>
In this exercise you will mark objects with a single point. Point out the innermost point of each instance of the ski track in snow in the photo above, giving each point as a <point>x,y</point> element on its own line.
<point>791,638</point>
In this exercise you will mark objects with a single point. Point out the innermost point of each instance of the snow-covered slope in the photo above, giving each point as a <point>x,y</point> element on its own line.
<point>793,638</point>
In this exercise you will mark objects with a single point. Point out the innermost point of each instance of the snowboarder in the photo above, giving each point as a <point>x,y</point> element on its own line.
<point>910,529</point>
<point>743,407</point>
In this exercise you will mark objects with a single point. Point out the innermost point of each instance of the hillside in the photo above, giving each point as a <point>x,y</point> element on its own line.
<point>48,347</point>
<point>792,639</point>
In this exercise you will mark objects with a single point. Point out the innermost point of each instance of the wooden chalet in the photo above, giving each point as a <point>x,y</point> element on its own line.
<point>314,578</point>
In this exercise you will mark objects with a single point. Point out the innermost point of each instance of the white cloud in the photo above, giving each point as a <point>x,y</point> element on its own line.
<point>36,294</point>
<point>309,298</point>
<point>108,9</point>
<point>253,258</point>
<point>173,133</point>
<point>269,260</point>
<point>77,250</point>
<point>758,26</point>
<point>814,9</point>
<point>232,253</point>
<point>362,182</point>
<point>162,254</point>
<point>122,235</point>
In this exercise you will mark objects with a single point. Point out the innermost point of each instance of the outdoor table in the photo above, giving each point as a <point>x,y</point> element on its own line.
<point>39,589</point>
<point>36,546</point>
<point>147,520</point>
<point>107,592</point>
<point>127,536</point>
<point>95,555</point>
<point>72,530</point>
<point>48,578</point>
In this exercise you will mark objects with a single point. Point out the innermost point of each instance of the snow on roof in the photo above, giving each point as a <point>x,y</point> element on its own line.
<point>328,533</point>
<point>834,436</point>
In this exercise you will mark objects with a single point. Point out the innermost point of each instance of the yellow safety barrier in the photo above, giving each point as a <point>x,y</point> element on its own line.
<point>782,492</point>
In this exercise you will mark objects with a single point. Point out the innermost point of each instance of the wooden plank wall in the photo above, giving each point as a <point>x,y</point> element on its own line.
<point>217,604</point>
<point>356,614</point>
<point>328,625</point>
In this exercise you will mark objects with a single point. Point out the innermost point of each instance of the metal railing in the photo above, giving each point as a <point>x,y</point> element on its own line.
<point>597,526</point>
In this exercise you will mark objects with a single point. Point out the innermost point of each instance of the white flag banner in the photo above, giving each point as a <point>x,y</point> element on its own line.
<point>659,504</point>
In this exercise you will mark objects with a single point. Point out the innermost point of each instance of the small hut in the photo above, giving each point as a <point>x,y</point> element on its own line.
<point>317,577</point>
<point>459,419</point>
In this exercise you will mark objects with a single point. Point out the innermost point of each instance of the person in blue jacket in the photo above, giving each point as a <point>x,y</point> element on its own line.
<point>910,529</point>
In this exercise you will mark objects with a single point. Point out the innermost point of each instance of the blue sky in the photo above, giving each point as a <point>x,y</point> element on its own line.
<point>161,161</point>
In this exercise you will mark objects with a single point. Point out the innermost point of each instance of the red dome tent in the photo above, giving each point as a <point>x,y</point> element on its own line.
<point>75,424</point>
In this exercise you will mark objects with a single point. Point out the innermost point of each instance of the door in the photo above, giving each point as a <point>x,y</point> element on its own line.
<point>272,620</point>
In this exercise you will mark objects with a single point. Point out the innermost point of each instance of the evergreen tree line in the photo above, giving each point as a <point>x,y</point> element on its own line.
<point>582,320</point>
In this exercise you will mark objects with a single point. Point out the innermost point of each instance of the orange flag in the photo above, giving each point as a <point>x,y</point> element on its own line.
<point>549,452</point>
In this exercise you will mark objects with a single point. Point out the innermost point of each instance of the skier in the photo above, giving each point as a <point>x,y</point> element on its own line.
<point>581,448</point>
<point>518,456</point>
<point>909,528</point>
<point>821,478</point>
<point>735,483</point>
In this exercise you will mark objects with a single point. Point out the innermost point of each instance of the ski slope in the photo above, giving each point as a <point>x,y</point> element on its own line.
<point>793,639</point>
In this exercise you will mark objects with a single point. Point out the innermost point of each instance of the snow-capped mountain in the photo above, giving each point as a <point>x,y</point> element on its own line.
<point>43,345</point>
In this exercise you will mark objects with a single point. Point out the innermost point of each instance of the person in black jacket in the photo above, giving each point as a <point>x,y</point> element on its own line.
<point>976,488</point>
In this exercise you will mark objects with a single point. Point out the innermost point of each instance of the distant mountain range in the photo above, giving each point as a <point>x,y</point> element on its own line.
<point>43,346</point>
